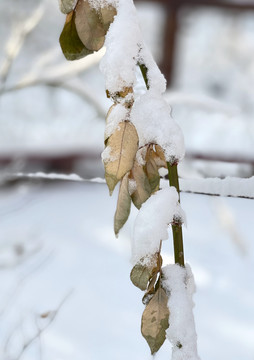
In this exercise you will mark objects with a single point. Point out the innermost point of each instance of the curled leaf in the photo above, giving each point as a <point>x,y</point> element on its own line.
<point>155,320</point>
<point>122,146</point>
<point>123,205</point>
<point>72,46</point>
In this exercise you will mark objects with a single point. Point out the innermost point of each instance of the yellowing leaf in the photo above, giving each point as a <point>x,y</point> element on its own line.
<point>155,320</point>
<point>123,145</point>
<point>123,205</point>
<point>66,6</point>
<point>89,26</point>
<point>142,188</point>
<point>72,47</point>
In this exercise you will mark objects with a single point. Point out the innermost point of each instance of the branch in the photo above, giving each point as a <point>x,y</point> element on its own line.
<point>16,42</point>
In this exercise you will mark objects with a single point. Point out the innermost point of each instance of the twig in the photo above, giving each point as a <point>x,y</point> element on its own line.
<point>16,42</point>
<point>51,316</point>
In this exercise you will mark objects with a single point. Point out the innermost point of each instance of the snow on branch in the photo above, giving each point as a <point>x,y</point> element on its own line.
<point>230,187</point>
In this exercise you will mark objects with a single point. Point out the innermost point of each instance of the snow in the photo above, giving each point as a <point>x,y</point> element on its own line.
<point>73,223</point>
<point>116,115</point>
<point>153,219</point>
<point>179,283</point>
<point>119,65</point>
<point>230,186</point>
<point>151,116</point>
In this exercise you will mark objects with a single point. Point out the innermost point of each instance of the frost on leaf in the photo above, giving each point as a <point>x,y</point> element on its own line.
<point>123,205</point>
<point>66,6</point>
<point>123,144</point>
<point>142,189</point>
<point>155,320</point>
<point>72,46</point>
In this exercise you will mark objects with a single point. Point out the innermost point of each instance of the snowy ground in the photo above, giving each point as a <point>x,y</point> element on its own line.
<point>72,226</point>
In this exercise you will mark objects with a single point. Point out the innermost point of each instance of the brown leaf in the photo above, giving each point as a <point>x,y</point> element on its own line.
<point>72,46</point>
<point>123,205</point>
<point>142,188</point>
<point>155,159</point>
<point>140,275</point>
<point>107,16</point>
<point>153,175</point>
<point>66,6</point>
<point>155,320</point>
<point>89,26</point>
<point>123,145</point>
<point>144,271</point>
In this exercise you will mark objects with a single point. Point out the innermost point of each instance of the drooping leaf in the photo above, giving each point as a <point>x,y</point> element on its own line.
<point>72,46</point>
<point>142,188</point>
<point>89,26</point>
<point>123,145</point>
<point>107,15</point>
<point>123,205</point>
<point>66,6</point>
<point>155,320</point>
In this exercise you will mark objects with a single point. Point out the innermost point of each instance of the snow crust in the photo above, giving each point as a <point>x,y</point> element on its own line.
<point>179,283</point>
<point>152,119</point>
<point>152,221</point>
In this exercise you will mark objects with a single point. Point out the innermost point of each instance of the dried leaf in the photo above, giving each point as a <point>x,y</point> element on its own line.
<point>155,320</point>
<point>123,145</point>
<point>150,290</point>
<point>89,26</point>
<point>107,15</point>
<point>72,46</point>
<point>140,275</point>
<point>143,189</point>
<point>155,159</point>
<point>123,205</point>
<point>143,272</point>
<point>153,175</point>
<point>66,6</point>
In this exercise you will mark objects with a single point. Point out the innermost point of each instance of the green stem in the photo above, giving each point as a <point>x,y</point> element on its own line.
<point>177,226</point>
<point>144,71</point>
<point>173,180</point>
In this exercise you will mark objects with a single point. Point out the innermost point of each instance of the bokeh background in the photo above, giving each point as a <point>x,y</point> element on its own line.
<point>65,288</point>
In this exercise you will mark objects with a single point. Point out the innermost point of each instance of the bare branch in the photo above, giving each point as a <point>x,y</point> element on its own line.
<point>17,40</point>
